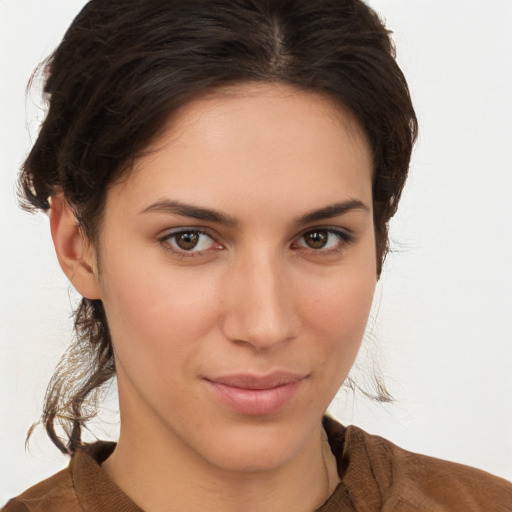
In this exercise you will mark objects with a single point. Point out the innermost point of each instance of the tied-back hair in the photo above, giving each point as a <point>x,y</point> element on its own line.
<point>123,68</point>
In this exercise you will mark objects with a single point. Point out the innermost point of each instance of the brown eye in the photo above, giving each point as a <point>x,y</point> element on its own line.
<point>187,240</point>
<point>324,240</point>
<point>192,242</point>
<point>316,239</point>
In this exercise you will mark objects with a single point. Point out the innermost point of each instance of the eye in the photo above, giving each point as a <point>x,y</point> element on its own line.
<point>324,239</point>
<point>189,241</point>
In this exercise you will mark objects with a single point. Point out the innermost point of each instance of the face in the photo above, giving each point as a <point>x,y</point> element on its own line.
<point>237,270</point>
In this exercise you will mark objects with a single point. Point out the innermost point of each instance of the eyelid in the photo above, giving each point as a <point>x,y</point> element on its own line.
<point>171,233</point>
<point>345,235</point>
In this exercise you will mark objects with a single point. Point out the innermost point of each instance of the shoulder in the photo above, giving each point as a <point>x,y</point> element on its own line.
<point>73,489</point>
<point>398,479</point>
<point>54,493</point>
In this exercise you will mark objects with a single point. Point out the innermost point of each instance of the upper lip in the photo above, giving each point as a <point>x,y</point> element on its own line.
<point>255,381</point>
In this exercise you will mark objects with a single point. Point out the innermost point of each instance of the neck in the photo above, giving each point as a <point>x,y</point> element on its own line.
<point>159,473</point>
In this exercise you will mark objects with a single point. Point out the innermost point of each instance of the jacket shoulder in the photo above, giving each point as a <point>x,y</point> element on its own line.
<point>411,481</point>
<point>56,493</point>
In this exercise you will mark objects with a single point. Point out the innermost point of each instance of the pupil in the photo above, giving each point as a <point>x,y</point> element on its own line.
<point>316,239</point>
<point>187,241</point>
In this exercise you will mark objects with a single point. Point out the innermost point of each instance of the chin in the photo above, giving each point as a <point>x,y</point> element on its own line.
<point>257,446</point>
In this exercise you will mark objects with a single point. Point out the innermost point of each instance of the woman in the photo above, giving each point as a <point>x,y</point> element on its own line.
<point>219,178</point>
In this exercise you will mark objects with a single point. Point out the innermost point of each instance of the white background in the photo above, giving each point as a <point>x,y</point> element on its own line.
<point>443,332</point>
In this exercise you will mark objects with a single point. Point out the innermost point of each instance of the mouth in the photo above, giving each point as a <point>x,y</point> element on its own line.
<point>256,395</point>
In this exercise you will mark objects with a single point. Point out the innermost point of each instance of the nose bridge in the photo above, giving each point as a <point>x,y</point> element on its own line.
<point>260,309</point>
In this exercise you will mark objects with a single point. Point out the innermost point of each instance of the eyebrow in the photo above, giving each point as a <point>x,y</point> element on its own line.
<point>210,215</point>
<point>187,210</point>
<point>330,211</point>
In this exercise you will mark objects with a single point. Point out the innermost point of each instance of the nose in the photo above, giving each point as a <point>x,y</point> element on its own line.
<point>259,303</point>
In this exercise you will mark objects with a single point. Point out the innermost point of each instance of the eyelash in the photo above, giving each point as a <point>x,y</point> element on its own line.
<point>345,238</point>
<point>183,253</point>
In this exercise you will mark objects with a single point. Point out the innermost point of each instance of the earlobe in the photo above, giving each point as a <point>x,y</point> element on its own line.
<point>74,252</point>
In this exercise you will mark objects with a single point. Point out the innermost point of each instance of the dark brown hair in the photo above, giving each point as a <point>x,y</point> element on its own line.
<point>124,66</point>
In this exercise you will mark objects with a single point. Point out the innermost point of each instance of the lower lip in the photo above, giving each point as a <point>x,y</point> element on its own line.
<point>255,402</point>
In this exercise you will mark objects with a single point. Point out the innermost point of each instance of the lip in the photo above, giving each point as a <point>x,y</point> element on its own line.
<point>256,395</point>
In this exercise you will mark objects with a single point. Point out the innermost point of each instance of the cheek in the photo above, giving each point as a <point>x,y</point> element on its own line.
<point>159,321</point>
<point>346,322</point>
<point>337,315</point>
<point>342,303</point>
<point>151,306</point>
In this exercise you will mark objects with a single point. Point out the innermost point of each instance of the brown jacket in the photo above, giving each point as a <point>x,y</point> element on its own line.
<point>375,475</point>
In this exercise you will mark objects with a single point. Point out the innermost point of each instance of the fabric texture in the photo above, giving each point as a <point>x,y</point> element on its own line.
<point>375,474</point>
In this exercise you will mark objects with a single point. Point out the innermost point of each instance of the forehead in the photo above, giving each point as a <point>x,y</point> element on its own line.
<point>267,105</point>
<point>256,141</point>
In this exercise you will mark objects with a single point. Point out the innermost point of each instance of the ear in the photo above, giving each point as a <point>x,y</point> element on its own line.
<point>75,253</point>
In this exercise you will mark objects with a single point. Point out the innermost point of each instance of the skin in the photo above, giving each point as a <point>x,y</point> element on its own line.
<point>253,296</point>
